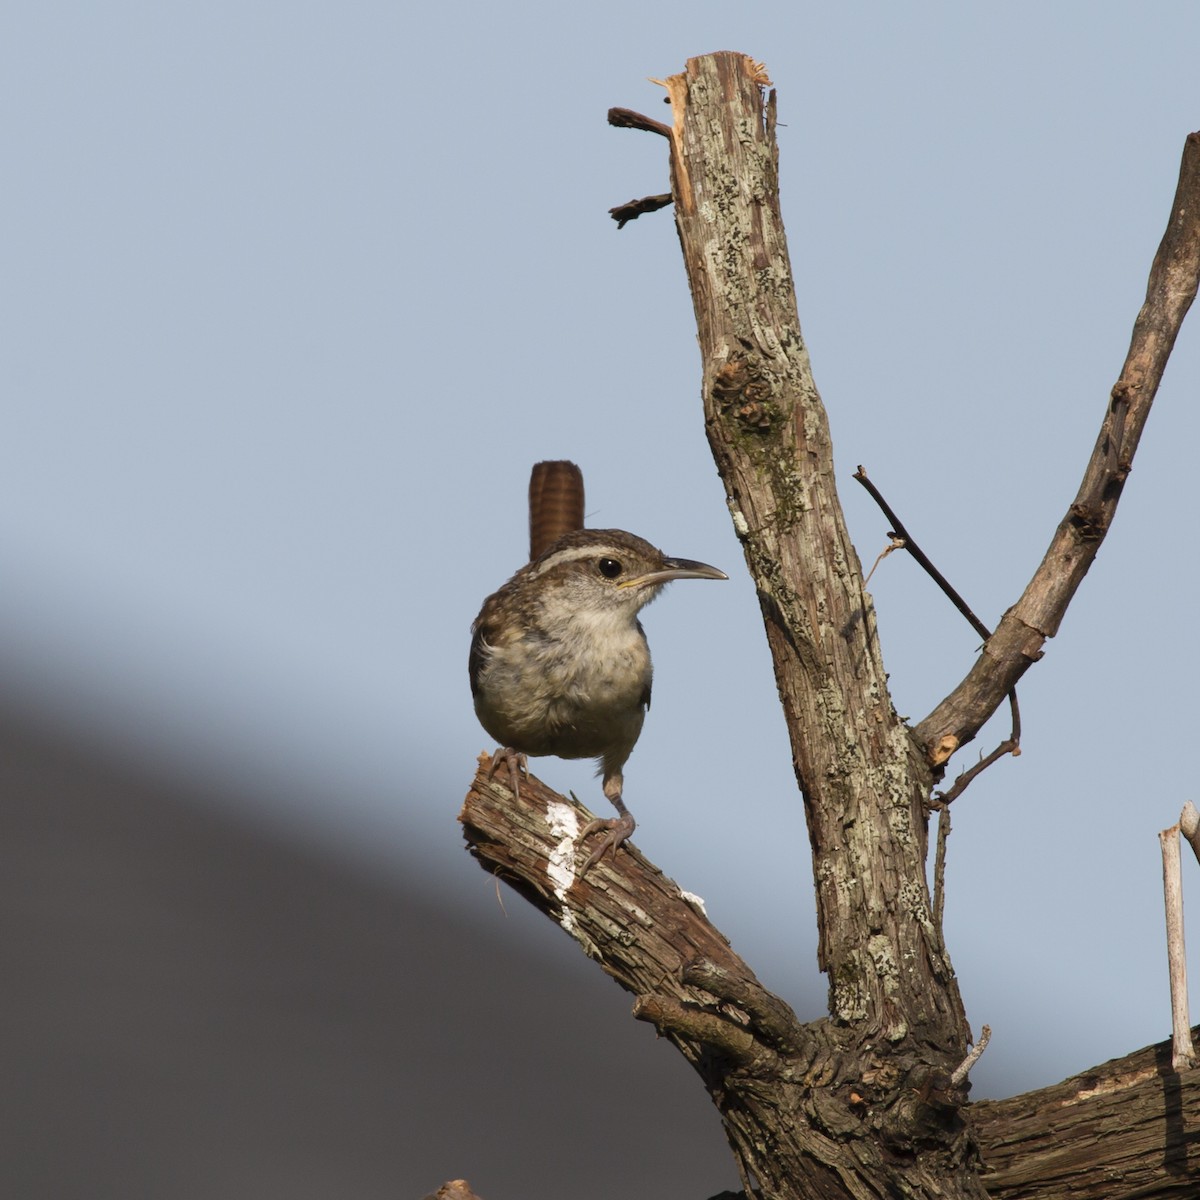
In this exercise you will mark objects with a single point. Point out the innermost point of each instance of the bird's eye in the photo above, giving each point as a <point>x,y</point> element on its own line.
<point>609,568</point>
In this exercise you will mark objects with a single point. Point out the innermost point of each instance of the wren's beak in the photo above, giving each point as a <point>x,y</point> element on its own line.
<point>675,568</point>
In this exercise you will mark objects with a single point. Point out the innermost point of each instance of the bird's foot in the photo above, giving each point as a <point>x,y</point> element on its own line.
<point>620,829</point>
<point>517,763</point>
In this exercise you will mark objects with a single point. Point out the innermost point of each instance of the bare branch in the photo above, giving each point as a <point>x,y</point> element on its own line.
<point>909,543</point>
<point>630,211</point>
<point>807,1083</point>
<point>649,936</point>
<point>1183,1054</point>
<point>939,872</point>
<point>1010,745</point>
<point>946,746</point>
<point>769,1016</point>
<point>1018,641</point>
<point>626,118</point>
<point>963,1069</point>
<point>1033,1145</point>
<point>1121,1129</point>
<point>698,1025</point>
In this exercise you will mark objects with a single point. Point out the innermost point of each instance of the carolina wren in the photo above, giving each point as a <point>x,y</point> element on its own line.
<point>559,662</point>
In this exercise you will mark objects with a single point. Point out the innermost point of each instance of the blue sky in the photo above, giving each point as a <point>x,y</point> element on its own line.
<point>296,293</point>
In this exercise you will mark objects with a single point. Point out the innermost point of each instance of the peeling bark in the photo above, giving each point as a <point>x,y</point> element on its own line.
<point>865,789</point>
<point>1127,1128</point>
<point>812,1111</point>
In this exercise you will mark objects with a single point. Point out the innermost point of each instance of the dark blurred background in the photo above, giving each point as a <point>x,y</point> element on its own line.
<point>198,1006</point>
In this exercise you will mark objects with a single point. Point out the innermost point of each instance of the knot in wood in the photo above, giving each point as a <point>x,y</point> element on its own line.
<point>755,415</point>
<point>729,383</point>
<point>927,1113</point>
<point>1089,523</point>
<point>740,388</point>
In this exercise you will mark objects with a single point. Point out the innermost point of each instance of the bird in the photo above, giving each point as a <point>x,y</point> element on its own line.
<point>559,663</point>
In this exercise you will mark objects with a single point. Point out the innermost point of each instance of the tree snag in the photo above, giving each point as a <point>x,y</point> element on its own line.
<point>866,1102</point>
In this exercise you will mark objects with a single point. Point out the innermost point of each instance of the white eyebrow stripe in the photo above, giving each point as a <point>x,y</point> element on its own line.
<point>574,554</point>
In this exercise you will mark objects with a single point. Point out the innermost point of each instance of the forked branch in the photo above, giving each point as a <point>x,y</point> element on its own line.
<point>651,937</point>
<point>864,1102</point>
<point>654,940</point>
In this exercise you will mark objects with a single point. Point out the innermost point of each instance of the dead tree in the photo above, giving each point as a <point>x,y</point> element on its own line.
<point>870,1101</point>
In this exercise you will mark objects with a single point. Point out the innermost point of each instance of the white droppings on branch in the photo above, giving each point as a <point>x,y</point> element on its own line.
<point>564,828</point>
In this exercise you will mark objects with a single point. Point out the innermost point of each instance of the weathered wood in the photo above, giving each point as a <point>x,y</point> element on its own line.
<point>1017,643</point>
<point>1127,1129</point>
<point>864,786</point>
<point>864,1104</point>
<point>625,913</point>
<point>864,789</point>
<point>1183,1056</point>
<point>809,1111</point>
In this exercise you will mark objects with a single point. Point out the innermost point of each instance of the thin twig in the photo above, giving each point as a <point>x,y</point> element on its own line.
<point>898,531</point>
<point>901,537</point>
<point>960,1072</point>
<point>1011,745</point>
<point>939,872</point>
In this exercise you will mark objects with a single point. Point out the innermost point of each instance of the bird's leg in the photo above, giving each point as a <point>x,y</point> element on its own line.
<point>620,828</point>
<point>517,764</point>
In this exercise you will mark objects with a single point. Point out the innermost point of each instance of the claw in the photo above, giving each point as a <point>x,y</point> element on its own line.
<point>620,829</point>
<point>517,764</point>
